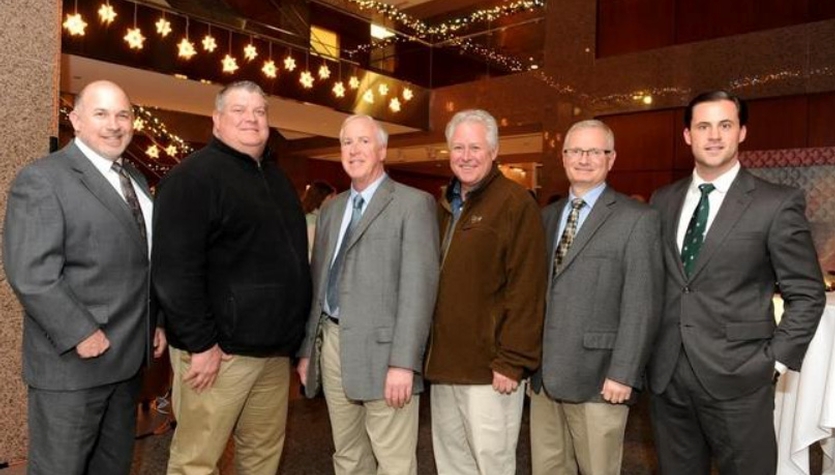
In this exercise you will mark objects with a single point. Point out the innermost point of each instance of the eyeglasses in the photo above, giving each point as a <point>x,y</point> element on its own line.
<point>579,152</point>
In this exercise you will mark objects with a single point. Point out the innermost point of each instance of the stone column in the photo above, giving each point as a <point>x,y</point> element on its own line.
<point>30,49</point>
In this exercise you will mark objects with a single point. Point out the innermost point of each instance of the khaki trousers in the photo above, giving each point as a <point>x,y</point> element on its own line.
<point>567,436</point>
<point>248,400</point>
<point>475,429</point>
<point>369,436</point>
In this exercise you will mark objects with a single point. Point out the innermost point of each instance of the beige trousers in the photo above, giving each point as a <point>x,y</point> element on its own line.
<point>369,436</point>
<point>248,400</point>
<point>475,429</point>
<point>566,437</point>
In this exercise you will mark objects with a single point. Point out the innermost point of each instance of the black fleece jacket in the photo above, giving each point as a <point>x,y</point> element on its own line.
<point>229,259</point>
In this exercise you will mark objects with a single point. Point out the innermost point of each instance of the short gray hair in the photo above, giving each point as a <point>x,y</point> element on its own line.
<point>593,124</point>
<point>247,86</point>
<point>476,116</point>
<point>382,135</point>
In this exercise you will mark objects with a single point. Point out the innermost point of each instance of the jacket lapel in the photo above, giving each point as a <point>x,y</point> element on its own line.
<point>104,192</point>
<point>552,227</point>
<point>382,197</point>
<point>599,214</point>
<point>732,209</point>
<point>672,212</point>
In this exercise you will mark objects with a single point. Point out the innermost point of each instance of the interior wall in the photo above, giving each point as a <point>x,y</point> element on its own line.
<point>30,47</point>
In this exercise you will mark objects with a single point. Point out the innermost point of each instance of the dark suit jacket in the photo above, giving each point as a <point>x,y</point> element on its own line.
<point>74,257</point>
<point>722,315</point>
<point>386,292</point>
<point>604,305</point>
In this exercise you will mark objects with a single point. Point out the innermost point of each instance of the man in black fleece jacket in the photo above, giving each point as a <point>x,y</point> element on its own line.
<point>230,269</point>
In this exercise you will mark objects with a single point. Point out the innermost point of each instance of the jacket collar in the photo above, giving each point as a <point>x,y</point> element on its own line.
<point>221,146</point>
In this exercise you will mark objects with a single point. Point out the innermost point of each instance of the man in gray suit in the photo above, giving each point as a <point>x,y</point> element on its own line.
<point>375,275</point>
<point>76,244</point>
<point>602,312</point>
<point>728,238</point>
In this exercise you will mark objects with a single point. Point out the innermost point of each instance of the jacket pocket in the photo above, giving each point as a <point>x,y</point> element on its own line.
<point>758,330</point>
<point>599,340</point>
<point>383,335</point>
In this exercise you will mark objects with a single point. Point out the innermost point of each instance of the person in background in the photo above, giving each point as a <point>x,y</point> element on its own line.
<point>314,197</point>
<point>728,239</point>
<point>76,252</point>
<point>486,334</point>
<point>602,313</point>
<point>231,271</point>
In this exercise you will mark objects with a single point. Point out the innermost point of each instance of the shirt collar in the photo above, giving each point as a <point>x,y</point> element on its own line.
<point>369,191</point>
<point>722,183</point>
<point>102,164</point>
<point>591,196</point>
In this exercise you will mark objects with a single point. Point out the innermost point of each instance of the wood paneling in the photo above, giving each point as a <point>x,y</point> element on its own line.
<point>624,26</point>
<point>642,183</point>
<point>821,120</point>
<point>776,123</point>
<point>643,140</point>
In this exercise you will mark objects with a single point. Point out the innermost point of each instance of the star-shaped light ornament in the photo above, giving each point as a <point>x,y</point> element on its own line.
<point>134,38</point>
<point>289,63</point>
<point>186,49</point>
<point>163,27</point>
<point>107,14</point>
<point>368,96</point>
<point>269,69</point>
<point>324,72</point>
<point>306,80</point>
<point>171,150</point>
<point>339,89</point>
<point>408,94</point>
<point>138,124</point>
<point>75,25</point>
<point>353,82</point>
<point>152,151</point>
<point>250,52</point>
<point>394,104</point>
<point>383,89</point>
<point>209,43</point>
<point>230,64</point>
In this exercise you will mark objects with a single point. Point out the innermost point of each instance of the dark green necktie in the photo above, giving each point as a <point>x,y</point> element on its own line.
<point>695,235</point>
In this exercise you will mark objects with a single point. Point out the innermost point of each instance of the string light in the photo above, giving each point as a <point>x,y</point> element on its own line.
<point>106,13</point>
<point>163,26</point>
<point>250,51</point>
<point>152,151</point>
<point>354,82</point>
<point>230,64</point>
<point>383,89</point>
<point>306,79</point>
<point>186,48</point>
<point>75,24</point>
<point>134,36</point>
<point>209,43</point>
<point>138,124</point>
<point>269,69</point>
<point>368,96</point>
<point>171,150</point>
<point>289,62</point>
<point>408,94</point>
<point>324,72</point>
<point>339,89</point>
<point>394,104</point>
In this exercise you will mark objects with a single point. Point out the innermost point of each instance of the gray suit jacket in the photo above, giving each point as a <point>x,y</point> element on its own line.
<point>74,256</point>
<point>386,292</point>
<point>722,315</point>
<point>604,305</point>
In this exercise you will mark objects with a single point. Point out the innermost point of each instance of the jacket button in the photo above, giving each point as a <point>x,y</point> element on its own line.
<point>686,289</point>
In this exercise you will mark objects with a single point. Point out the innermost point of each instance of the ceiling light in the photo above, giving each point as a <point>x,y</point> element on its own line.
<point>163,27</point>
<point>289,63</point>
<point>186,49</point>
<point>339,89</point>
<point>269,69</point>
<point>134,38</point>
<point>306,80</point>
<point>408,94</point>
<point>324,72</point>
<point>75,25</point>
<point>394,105</point>
<point>209,43</point>
<point>230,64</point>
<point>107,14</point>
<point>250,52</point>
<point>380,32</point>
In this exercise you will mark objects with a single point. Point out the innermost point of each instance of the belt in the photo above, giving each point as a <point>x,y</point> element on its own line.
<point>333,320</point>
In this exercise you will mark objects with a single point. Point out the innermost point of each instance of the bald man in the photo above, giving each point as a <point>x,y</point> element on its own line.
<point>76,252</point>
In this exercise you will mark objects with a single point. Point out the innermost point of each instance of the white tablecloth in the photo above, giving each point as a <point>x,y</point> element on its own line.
<point>804,410</point>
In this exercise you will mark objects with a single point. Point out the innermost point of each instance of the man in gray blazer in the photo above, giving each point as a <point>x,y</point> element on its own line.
<point>375,276</point>
<point>602,313</point>
<point>729,239</point>
<point>76,243</point>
